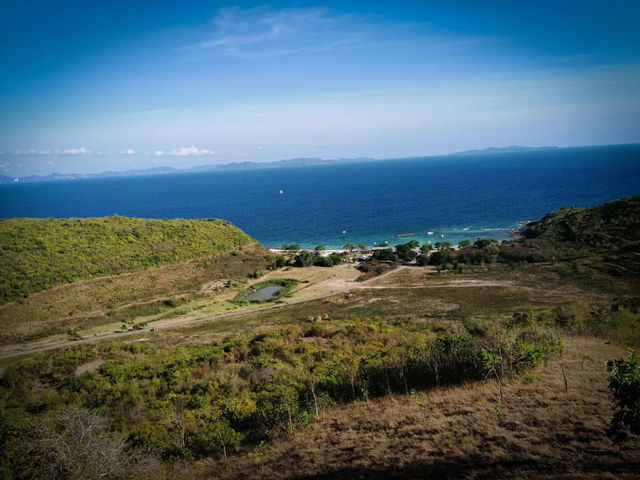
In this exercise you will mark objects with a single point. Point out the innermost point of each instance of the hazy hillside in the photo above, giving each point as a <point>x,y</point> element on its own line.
<point>37,254</point>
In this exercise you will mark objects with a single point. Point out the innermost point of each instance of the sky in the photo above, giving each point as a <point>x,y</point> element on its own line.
<point>113,85</point>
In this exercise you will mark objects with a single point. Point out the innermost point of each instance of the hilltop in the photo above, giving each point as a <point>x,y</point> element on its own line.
<point>37,254</point>
<point>612,225</point>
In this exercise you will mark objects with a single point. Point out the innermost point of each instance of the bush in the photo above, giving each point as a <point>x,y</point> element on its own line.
<point>624,383</point>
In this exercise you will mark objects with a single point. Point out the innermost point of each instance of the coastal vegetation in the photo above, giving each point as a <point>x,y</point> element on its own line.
<point>515,339</point>
<point>38,254</point>
<point>192,400</point>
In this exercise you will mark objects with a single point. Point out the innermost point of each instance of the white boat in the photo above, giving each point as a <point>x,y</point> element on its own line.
<point>429,233</point>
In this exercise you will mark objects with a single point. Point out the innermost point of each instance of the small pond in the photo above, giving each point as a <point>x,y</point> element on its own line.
<point>265,293</point>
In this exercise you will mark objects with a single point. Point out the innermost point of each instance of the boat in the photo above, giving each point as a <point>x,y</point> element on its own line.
<point>429,233</point>
<point>399,235</point>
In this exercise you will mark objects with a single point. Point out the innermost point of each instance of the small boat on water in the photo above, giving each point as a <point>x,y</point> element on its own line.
<point>400,235</point>
<point>429,233</point>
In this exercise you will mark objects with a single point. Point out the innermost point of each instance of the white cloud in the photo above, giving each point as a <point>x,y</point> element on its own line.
<point>128,151</point>
<point>32,151</point>
<point>156,153</point>
<point>190,151</point>
<point>262,32</point>
<point>74,151</point>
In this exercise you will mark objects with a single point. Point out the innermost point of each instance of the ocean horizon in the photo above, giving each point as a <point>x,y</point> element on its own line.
<point>456,197</point>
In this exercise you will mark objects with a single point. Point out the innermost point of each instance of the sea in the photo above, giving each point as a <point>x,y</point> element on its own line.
<point>450,198</point>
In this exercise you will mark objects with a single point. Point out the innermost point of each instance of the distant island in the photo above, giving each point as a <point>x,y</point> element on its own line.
<point>509,149</point>
<point>293,162</point>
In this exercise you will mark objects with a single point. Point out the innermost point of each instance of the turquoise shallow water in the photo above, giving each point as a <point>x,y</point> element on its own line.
<point>460,197</point>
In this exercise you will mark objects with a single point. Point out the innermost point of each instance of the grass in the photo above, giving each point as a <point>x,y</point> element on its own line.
<point>539,431</point>
<point>468,424</point>
<point>37,254</point>
<point>89,304</point>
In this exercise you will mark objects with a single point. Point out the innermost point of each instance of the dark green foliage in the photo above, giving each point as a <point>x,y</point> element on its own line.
<point>307,259</point>
<point>484,242</point>
<point>407,251</point>
<point>624,384</point>
<point>36,254</point>
<point>304,259</point>
<point>384,255</point>
<point>609,234</point>
<point>278,262</point>
<point>422,260</point>
<point>612,224</point>
<point>293,247</point>
<point>611,230</point>
<point>174,302</point>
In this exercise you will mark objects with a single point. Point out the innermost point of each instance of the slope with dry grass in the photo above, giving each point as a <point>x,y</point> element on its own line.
<point>540,430</point>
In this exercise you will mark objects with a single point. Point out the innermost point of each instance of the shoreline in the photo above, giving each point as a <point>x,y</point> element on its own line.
<point>454,237</point>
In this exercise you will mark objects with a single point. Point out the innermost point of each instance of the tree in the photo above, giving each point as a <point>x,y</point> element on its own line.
<point>422,260</point>
<point>426,248</point>
<point>278,262</point>
<point>624,383</point>
<point>406,251</point>
<point>384,254</point>
<point>362,247</point>
<point>464,244</point>
<point>493,365</point>
<point>349,246</point>
<point>292,247</point>
<point>484,242</point>
<point>319,248</point>
<point>304,259</point>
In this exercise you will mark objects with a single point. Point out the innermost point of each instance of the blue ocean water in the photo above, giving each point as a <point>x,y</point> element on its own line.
<point>459,197</point>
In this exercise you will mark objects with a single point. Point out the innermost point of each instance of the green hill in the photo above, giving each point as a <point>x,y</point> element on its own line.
<point>606,237</point>
<point>36,254</point>
<point>612,225</point>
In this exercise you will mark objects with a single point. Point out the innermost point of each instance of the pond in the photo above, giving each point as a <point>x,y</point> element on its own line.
<point>263,294</point>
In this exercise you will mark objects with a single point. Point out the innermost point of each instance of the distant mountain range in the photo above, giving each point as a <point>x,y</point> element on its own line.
<point>294,162</point>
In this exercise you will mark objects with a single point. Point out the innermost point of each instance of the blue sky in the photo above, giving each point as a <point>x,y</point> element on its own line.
<point>94,86</point>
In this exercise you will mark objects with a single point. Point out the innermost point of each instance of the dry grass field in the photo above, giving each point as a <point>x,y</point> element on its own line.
<point>110,300</point>
<point>465,431</point>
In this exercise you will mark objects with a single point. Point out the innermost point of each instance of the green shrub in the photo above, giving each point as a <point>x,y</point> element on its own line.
<point>624,383</point>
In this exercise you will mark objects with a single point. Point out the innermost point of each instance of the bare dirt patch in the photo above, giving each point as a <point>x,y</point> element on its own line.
<point>93,366</point>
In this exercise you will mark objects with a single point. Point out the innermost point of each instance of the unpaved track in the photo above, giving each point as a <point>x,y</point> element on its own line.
<point>181,323</point>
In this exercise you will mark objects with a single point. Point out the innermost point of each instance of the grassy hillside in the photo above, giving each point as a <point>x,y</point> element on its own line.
<point>608,226</point>
<point>37,254</point>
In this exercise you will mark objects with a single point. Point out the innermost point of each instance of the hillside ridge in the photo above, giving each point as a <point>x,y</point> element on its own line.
<point>36,254</point>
